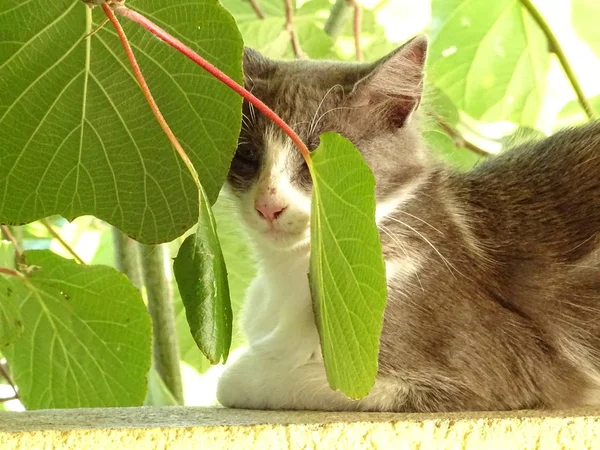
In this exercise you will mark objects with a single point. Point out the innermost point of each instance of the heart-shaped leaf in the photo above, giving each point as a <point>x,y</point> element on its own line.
<point>76,133</point>
<point>87,336</point>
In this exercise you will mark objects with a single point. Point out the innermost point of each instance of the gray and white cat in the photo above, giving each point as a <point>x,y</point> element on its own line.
<point>493,275</point>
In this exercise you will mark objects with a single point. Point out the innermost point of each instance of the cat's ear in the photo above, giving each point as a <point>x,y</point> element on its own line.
<point>256,66</point>
<point>395,84</point>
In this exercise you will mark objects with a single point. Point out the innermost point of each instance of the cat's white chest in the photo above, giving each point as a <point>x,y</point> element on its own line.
<point>278,314</point>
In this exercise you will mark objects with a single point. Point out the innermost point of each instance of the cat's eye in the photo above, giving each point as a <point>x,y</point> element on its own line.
<point>246,161</point>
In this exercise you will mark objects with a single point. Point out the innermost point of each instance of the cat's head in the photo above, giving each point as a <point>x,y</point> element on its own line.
<point>370,104</point>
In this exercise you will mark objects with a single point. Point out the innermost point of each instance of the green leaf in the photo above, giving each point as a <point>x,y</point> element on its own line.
<point>76,133</point>
<point>11,322</point>
<point>201,275</point>
<point>573,114</point>
<point>347,272</point>
<point>584,15</point>
<point>490,58</point>
<point>240,271</point>
<point>87,337</point>
<point>158,393</point>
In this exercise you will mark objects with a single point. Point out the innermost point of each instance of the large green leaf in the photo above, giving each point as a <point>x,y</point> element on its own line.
<point>490,58</point>
<point>11,322</point>
<point>347,272</point>
<point>201,275</point>
<point>573,113</point>
<point>584,15</point>
<point>87,337</point>
<point>78,137</point>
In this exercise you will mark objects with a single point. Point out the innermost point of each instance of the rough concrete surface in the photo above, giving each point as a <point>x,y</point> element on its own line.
<point>220,428</point>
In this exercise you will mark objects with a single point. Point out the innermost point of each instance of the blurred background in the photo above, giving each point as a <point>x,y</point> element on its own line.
<point>495,76</point>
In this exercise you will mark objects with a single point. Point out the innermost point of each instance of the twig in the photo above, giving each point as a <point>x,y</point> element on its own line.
<point>562,57</point>
<point>289,26</point>
<point>11,237</point>
<point>257,9</point>
<point>356,27</point>
<point>7,399</point>
<point>9,380</point>
<point>61,241</point>
<point>339,15</point>
<point>11,272</point>
<point>458,140</point>
<point>218,74</point>
<point>165,347</point>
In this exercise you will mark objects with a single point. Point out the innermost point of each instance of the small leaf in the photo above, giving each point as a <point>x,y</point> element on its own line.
<point>347,272</point>
<point>490,58</point>
<point>11,323</point>
<point>201,275</point>
<point>573,113</point>
<point>87,340</point>
<point>240,271</point>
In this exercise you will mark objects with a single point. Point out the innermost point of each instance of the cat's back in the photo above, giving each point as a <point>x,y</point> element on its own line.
<point>539,200</point>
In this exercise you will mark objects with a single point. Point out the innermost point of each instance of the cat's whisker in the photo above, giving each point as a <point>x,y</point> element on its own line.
<point>316,124</point>
<point>443,258</point>
<point>313,125</point>
<point>420,220</point>
<point>402,247</point>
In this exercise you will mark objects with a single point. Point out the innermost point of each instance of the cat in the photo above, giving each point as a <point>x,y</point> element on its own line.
<point>493,274</point>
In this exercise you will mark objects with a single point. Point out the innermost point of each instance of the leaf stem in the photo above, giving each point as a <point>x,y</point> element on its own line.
<point>459,141</point>
<point>257,9</point>
<point>11,272</point>
<point>7,233</point>
<point>356,27</point>
<point>289,26</point>
<point>9,380</point>
<point>562,57</point>
<point>215,72</point>
<point>61,241</point>
<point>149,98</point>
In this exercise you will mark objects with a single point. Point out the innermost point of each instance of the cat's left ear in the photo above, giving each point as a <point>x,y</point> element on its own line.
<point>395,85</point>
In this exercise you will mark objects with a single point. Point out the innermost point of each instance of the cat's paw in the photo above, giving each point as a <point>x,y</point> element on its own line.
<point>242,386</point>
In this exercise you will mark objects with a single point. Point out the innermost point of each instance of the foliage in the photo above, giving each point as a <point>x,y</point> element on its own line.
<point>78,138</point>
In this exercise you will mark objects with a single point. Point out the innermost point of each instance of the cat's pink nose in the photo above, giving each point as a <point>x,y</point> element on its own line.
<point>270,211</point>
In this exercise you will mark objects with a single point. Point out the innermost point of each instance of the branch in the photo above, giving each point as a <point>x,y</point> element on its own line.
<point>218,74</point>
<point>562,57</point>
<point>10,272</point>
<point>127,257</point>
<point>165,347</point>
<point>62,242</point>
<point>458,140</point>
<point>7,233</point>
<point>356,27</point>
<point>289,26</point>
<point>257,9</point>
<point>339,15</point>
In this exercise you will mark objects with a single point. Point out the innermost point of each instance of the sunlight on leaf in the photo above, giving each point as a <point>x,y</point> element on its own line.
<point>76,133</point>
<point>87,337</point>
<point>347,272</point>
<point>490,58</point>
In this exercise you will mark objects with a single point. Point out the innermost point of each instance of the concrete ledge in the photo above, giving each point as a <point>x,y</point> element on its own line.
<point>219,428</point>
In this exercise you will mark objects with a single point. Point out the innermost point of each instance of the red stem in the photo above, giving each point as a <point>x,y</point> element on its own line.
<point>215,72</point>
<point>149,98</point>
